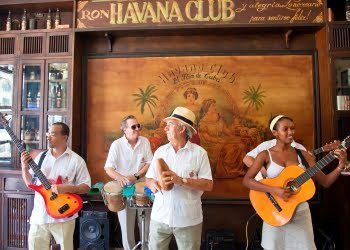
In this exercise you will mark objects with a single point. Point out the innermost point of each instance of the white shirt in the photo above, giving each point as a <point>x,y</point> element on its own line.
<point>180,206</point>
<point>269,144</point>
<point>72,169</point>
<point>265,146</point>
<point>127,160</point>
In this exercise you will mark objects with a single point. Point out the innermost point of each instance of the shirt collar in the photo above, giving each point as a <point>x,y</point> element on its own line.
<point>125,140</point>
<point>188,145</point>
<point>68,151</point>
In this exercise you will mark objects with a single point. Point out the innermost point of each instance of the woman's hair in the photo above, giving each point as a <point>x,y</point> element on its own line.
<point>206,104</point>
<point>192,91</point>
<point>279,120</point>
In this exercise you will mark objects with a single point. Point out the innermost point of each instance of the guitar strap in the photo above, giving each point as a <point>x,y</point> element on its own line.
<point>42,157</point>
<point>302,158</point>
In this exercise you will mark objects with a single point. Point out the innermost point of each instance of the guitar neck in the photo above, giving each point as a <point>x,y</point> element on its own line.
<point>310,172</point>
<point>31,163</point>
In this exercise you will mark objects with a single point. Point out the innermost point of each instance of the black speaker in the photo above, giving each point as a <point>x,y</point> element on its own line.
<point>220,240</point>
<point>93,231</point>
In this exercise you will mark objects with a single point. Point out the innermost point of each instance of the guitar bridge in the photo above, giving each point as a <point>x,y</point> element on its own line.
<point>63,209</point>
<point>274,202</point>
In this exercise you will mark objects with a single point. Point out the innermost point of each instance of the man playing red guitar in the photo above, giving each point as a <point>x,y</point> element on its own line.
<point>59,161</point>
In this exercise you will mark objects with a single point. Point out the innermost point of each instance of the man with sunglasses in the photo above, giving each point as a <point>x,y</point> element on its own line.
<point>59,160</point>
<point>127,162</point>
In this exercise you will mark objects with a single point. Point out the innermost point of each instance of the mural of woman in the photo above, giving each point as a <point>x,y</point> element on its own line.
<point>191,95</point>
<point>225,149</point>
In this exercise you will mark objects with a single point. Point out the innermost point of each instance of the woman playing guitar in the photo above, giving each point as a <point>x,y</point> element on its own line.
<point>298,232</point>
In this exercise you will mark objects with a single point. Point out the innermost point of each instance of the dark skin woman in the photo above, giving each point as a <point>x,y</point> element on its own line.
<point>278,157</point>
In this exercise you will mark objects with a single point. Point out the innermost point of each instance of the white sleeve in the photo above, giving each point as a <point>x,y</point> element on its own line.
<point>112,157</point>
<point>152,171</point>
<point>299,146</point>
<point>148,153</point>
<point>261,147</point>
<point>82,175</point>
<point>204,168</point>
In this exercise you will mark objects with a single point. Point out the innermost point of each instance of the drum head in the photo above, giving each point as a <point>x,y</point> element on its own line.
<point>140,187</point>
<point>112,187</point>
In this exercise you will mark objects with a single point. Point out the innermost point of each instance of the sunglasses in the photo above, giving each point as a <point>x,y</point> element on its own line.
<point>133,127</point>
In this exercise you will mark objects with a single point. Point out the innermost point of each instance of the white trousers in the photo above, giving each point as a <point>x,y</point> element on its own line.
<point>126,219</point>
<point>39,235</point>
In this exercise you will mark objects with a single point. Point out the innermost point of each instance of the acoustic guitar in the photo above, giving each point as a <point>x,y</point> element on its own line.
<point>58,206</point>
<point>273,209</point>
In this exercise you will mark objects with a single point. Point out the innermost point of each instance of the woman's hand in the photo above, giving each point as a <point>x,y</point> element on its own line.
<point>342,157</point>
<point>283,193</point>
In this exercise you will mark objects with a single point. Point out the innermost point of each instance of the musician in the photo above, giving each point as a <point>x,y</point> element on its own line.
<point>298,233</point>
<point>128,160</point>
<point>251,155</point>
<point>59,161</point>
<point>178,211</point>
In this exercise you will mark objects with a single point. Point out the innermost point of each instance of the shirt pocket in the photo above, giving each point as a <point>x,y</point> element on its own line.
<point>189,172</point>
<point>140,159</point>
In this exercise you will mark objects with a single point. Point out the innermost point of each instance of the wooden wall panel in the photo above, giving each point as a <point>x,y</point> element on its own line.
<point>227,216</point>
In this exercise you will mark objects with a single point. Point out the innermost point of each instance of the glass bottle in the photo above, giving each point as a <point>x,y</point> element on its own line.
<point>8,22</point>
<point>48,20</point>
<point>57,18</point>
<point>38,100</point>
<point>29,100</point>
<point>59,97</point>
<point>24,20</point>
<point>347,10</point>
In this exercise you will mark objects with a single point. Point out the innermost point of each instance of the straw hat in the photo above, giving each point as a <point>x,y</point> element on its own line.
<point>184,115</point>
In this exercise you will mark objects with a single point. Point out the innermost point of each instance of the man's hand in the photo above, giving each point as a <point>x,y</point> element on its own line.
<point>153,185</point>
<point>122,180</point>
<point>170,177</point>
<point>132,179</point>
<point>25,157</point>
<point>57,188</point>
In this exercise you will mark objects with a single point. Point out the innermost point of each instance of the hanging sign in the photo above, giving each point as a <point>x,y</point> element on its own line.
<point>129,14</point>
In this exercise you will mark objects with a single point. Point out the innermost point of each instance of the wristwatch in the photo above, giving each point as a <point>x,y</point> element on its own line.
<point>136,176</point>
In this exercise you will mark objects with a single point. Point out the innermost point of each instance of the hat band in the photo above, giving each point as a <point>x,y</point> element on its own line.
<point>183,119</point>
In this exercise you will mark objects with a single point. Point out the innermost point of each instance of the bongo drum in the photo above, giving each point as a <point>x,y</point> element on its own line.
<point>140,197</point>
<point>112,196</point>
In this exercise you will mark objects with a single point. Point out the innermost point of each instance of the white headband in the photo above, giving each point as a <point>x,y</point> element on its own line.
<point>274,121</point>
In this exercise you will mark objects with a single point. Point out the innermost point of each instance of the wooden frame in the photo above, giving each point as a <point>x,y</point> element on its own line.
<point>313,141</point>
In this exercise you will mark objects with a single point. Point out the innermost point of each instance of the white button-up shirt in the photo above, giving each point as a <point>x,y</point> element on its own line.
<point>180,206</point>
<point>127,160</point>
<point>72,169</point>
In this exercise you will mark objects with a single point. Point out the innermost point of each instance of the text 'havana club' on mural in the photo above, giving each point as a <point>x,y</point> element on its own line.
<point>161,13</point>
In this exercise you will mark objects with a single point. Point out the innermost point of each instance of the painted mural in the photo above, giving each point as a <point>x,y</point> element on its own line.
<point>233,98</point>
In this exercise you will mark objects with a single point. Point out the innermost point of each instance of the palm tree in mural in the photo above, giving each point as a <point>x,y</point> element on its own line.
<point>146,98</point>
<point>254,97</point>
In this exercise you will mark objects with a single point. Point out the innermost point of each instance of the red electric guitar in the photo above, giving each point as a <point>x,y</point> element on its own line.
<point>58,206</point>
